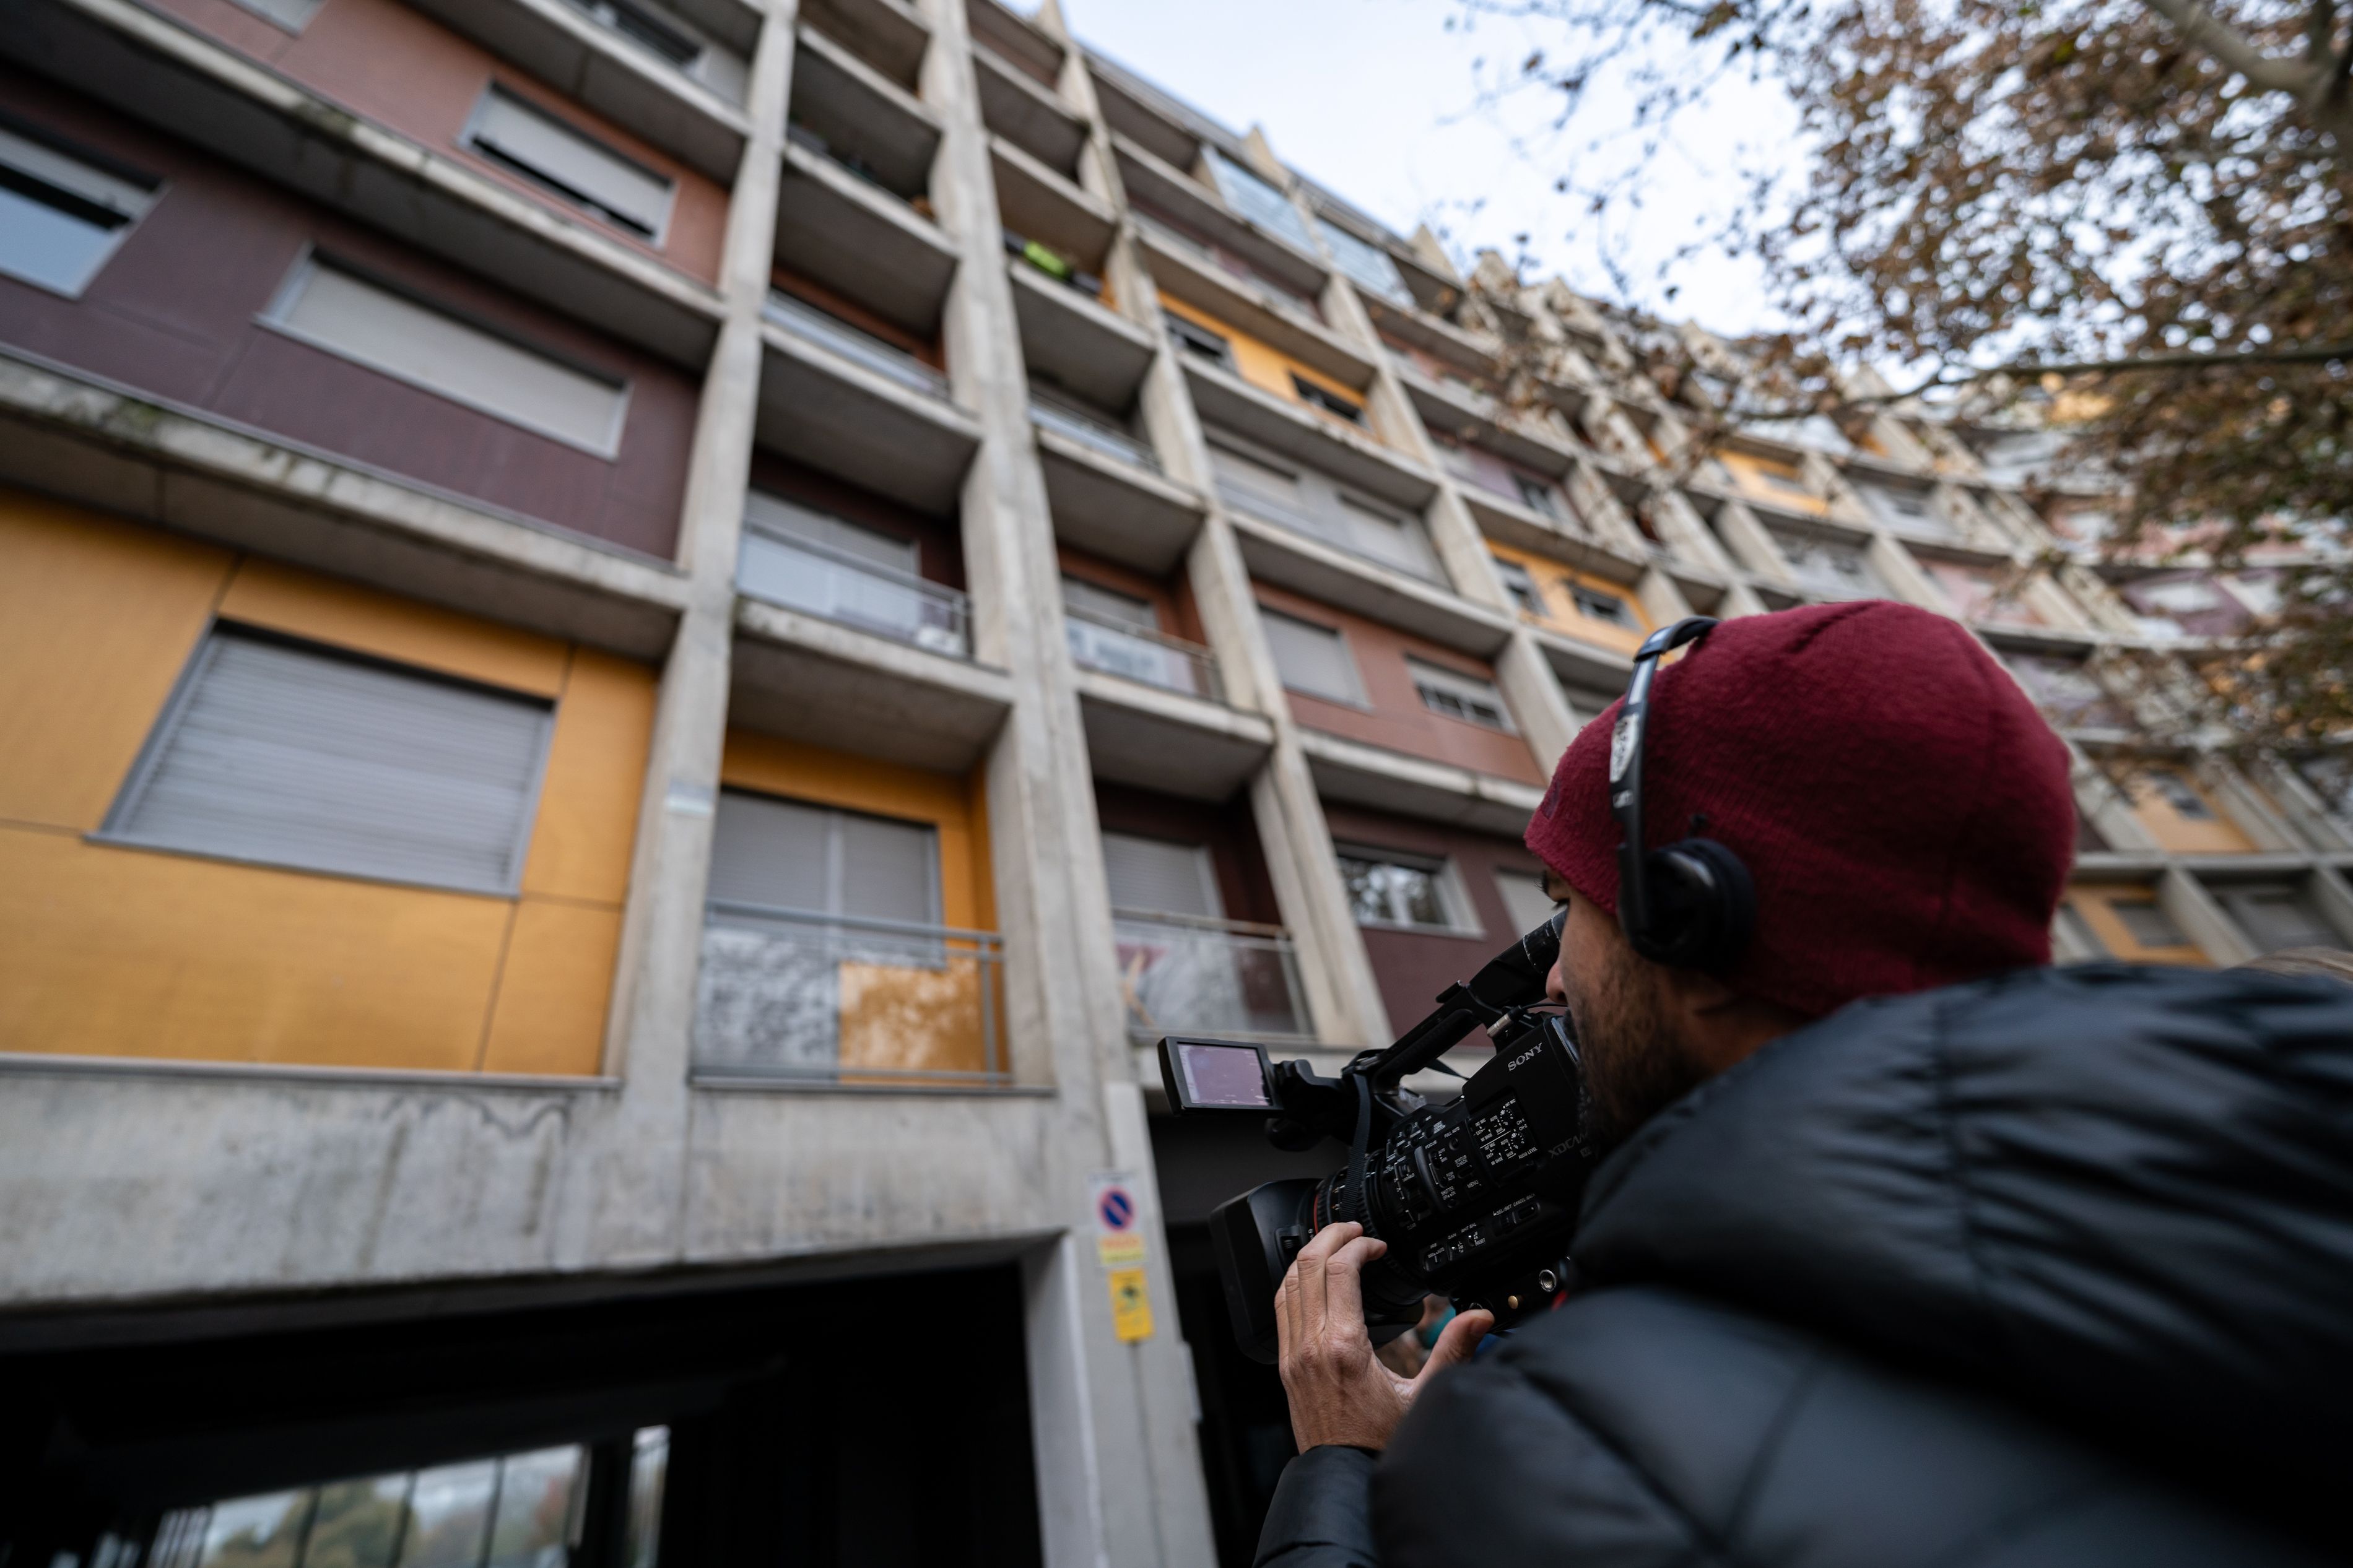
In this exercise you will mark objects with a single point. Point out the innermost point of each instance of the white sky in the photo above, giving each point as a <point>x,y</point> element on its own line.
<point>1378,99</point>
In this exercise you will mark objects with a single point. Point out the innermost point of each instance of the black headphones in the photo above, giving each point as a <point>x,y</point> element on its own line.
<point>1691,903</point>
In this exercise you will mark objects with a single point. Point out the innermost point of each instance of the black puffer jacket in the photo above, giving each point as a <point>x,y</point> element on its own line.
<point>2054,1268</point>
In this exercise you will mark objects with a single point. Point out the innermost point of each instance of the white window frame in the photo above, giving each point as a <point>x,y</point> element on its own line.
<point>34,154</point>
<point>1191,337</point>
<point>1520,586</point>
<point>581,201</point>
<point>175,711</point>
<point>1465,689</point>
<point>1578,592</point>
<point>1446,879</point>
<point>275,316</point>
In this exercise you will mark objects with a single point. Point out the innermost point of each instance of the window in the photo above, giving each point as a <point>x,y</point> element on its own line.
<point>339,311</point>
<point>2331,778</point>
<point>2145,922</point>
<point>1258,201</point>
<point>1316,396</point>
<point>825,565</point>
<point>1520,585</point>
<point>1385,537</point>
<point>1368,263</point>
<point>1388,888</point>
<point>1154,875</point>
<point>1463,697</point>
<point>2065,689</point>
<point>61,218</point>
<point>510,1511</point>
<point>1201,342</point>
<point>2071,930</point>
<point>1312,659</point>
<point>1907,512</point>
<point>644,29</point>
<point>583,170</point>
<point>1537,494</point>
<point>291,15</point>
<point>1597,605</point>
<point>2188,801</point>
<point>771,853</point>
<point>296,755</point>
<point>2278,916</point>
<point>1525,896</point>
<point>1109,605</point>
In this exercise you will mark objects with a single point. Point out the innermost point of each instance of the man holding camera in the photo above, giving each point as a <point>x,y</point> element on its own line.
<point>1907,1248</point>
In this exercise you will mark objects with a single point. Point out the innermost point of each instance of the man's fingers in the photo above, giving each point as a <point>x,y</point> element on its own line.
<point>1456,1343</point>
<point>1343,1293</point>
<point>1311,1266</point>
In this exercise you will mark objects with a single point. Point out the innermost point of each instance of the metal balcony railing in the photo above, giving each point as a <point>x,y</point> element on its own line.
<point>1088,431</point>
<point>1183,974</point>
<point>819,580</point>
<point>1401,551</point>
<point>863,348</point>
<point>1137,653</point>
<point>1271,295</point>
<point>789,995</point>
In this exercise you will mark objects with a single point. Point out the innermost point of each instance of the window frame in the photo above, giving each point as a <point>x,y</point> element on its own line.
<point>837,869</point>
<point>1446,880</point>
<point>1622,618</point>
<point>175,713</point>
<point>1348,655</point>
<point>470,138</point>
<point>1193,338</point>
<point>312,260</point>
<point>1520,586</point>
<point>150,188</point>
<point>1428,676</point>
<point>1325,400</point>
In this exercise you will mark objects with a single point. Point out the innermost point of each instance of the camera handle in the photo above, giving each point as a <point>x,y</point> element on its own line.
<point>1360,1143</point>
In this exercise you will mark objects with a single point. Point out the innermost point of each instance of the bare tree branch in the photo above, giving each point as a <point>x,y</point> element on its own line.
<point>2310,81</point>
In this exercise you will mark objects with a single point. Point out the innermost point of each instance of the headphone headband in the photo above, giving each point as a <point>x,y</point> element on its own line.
<point>1634,901</point>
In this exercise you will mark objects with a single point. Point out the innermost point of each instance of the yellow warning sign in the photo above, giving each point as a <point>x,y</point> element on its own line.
<point>1131,1308</point>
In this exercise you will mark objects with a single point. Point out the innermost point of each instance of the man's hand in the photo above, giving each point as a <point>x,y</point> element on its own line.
<point>1339,1392</point>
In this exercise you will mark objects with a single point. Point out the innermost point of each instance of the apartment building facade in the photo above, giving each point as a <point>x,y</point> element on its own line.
<point>646,643</point>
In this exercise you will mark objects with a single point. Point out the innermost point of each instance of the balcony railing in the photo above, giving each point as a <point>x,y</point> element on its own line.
<point>1410,555</point>
<point>819,580</point>
<point>1088,431</point>
<point>811,140</point>
<point>1186,975</point>
<point>792,995</point>
<point>1098,642</point>
<point>1271,295</point>
<point>863,348</point>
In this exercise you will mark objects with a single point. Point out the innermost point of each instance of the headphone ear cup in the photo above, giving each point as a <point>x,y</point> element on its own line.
<point>1704,905</point>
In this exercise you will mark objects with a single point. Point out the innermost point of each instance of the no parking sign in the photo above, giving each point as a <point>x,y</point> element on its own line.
<point>1119,1219</point>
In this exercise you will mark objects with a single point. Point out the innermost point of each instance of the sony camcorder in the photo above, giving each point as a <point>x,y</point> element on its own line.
<point>1476,1195</point>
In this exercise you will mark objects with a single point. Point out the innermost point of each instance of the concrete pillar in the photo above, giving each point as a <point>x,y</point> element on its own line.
<point>632,1207</point>
<point>1343,994</point>
<point>1118,1461</point>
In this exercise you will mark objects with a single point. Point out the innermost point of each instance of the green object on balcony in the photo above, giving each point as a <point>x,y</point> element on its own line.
<point>1049,262</point>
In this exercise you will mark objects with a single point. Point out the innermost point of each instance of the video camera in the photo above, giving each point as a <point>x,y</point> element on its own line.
<point>1475,1196</point>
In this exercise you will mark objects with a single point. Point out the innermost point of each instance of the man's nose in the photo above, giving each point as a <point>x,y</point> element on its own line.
<point>1555,988</point>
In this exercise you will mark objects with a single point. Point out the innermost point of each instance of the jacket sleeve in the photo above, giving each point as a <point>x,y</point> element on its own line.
<point>1322,1516</point>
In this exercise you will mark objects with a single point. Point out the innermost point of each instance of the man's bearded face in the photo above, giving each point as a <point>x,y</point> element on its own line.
<point>1635,1063</point>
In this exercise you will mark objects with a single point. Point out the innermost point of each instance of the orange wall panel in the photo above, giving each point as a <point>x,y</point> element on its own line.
<point>1260,363</point>
<point>2097,906</point>
<point>326,609</point>
<point>97,618</point>
<point>2217,835</point>
<point>114,950</point>
<point>1560,610</point>
<point>107,951</point>
<point>581,845</point>
<point>554,987</point>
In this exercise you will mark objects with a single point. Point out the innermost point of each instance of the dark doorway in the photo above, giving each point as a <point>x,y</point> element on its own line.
<point>834,1425</point>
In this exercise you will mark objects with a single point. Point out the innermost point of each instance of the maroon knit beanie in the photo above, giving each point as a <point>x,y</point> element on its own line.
<point>1904,810</point>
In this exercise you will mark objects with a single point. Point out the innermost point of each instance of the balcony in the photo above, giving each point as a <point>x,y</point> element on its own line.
<point>854,407</point>
<point>1180,974</point>
<point>803,320</point>
<point>1152,181</point>
<point>862,114</point>
<point>1185,269</point>
<point>1088,431</point>
<point>794,996</point>
<point>817,579</point>
<point>1137,653</point>
<point>838,224</point>
<point>1042,203</point>
<point>890,35</point>
<point>1014,105</point>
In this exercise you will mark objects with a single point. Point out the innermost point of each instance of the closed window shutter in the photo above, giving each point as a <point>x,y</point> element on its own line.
<point>782,854</point>
<point>1385,536</point>
<point>1252,474</point>
<point>358,320</point>
<point>887,869</point>
<point>773,853</point>
<point>576,165</point>
<point>1312,659</point>
<point>1110,604</point>
<point>1154,875</point>
<point>303,758</point>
